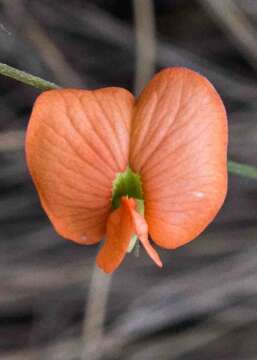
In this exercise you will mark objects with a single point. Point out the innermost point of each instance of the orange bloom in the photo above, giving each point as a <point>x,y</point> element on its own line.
<point>109,166</point>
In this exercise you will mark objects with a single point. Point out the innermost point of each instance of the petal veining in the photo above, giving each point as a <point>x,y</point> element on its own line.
<point>179,148</point>
<point>76,143</point>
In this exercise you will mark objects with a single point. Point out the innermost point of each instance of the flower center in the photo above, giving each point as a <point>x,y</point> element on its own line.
<point>128,184</point>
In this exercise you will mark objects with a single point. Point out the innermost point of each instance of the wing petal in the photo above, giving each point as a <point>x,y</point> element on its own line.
<point>141,230</point>
<point>120,229</point>
<point>122,224</point>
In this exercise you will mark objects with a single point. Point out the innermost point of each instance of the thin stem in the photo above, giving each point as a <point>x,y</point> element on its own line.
<point>31,30</point>
<point>95,315</point>
<point>242,169</point>
<point>26,78</point>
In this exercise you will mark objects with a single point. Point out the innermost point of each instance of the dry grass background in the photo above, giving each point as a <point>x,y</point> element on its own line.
<point>203,304</point>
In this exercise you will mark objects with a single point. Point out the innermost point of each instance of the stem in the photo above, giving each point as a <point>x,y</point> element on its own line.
<point>95,315</point>
<point>242,169</point>
<point>26,78</point>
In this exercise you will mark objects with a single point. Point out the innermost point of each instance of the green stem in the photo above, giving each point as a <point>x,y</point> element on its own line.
<point>242,169</point>
<point>26,78</point>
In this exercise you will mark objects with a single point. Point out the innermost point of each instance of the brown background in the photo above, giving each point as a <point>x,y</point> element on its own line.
<point>203,304</point>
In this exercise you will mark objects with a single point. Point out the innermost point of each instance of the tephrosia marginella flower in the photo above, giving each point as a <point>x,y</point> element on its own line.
<point>111,167</point>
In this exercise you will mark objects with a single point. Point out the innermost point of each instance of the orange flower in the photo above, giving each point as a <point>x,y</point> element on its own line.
<point>108,165</point>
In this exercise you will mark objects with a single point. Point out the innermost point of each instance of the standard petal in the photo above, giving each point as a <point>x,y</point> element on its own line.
<point>120,229</point>
<point>76,142</point>
<point>179,147</point>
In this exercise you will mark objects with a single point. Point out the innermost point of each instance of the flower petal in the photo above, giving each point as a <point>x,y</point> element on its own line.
<point>122,224</point>
<point>141,230</point>
<point>120,229</point>
<point>76,142</point>
<point>179,148</point>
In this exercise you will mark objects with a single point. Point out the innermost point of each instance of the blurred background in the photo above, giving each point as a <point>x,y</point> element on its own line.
<point>203,304</point>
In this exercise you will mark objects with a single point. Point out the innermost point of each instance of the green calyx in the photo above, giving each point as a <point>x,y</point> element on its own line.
<point>128,184</point>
